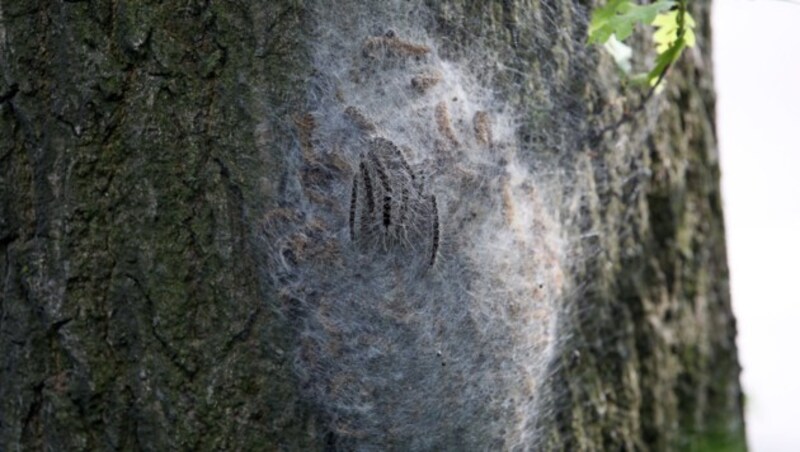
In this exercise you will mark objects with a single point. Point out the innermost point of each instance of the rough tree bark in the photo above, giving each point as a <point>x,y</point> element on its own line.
<point>141,143</point>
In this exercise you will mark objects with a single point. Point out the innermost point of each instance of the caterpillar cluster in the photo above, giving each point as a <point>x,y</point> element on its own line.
<point>389,203</point>
<point>415,255</point>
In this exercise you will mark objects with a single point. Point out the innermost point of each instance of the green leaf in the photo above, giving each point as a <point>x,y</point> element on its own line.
<point>667,30</point>
<point>618,17</point>
<point>670,39</point>
<point>664,60</point>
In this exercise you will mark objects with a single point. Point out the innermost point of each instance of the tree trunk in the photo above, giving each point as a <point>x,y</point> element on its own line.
<point>324,225</point>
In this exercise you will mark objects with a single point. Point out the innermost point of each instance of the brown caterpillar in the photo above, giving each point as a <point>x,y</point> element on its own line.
<point>353,199</point>
<point>435,244</point>
<point>403,210</point>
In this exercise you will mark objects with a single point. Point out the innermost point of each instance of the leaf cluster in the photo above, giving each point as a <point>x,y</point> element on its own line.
<point>618,17</point>
<point>614,22</point>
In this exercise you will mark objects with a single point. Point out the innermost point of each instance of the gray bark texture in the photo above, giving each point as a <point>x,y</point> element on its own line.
<point>147,148</point>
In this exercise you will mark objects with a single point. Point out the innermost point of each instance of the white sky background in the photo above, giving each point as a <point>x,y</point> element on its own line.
<point>757,72</point>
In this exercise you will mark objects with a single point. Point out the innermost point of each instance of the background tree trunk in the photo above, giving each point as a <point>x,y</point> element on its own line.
<point>141,144</point>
